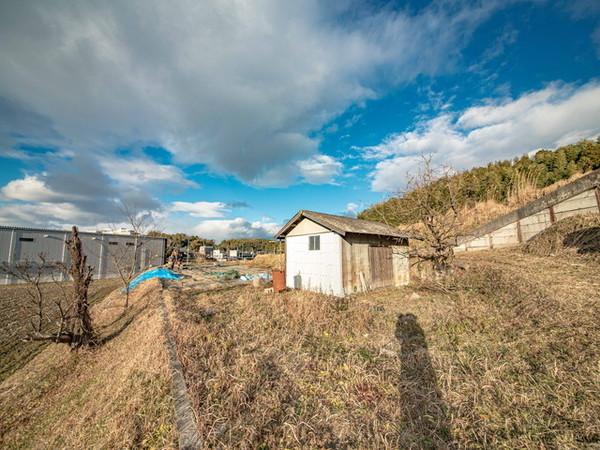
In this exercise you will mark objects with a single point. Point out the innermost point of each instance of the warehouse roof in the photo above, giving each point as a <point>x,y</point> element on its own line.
<point>341,225</point>
<point>49,230</point>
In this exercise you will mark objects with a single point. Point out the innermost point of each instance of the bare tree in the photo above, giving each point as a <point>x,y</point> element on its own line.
<point>79,324</point>
<point>31,272</point>
<point>126,259</point>
<point>432,204</point>
<point>68,311</point>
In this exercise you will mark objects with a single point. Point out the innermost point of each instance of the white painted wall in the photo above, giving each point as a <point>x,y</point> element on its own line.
<point>318,270</point>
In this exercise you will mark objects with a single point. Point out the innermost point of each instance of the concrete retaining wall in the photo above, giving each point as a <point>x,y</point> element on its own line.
<point>579,197</point>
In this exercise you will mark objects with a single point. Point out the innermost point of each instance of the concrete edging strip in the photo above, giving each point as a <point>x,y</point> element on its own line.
<point>189,439</point>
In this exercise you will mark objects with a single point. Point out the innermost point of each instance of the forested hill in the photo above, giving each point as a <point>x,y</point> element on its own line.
<point>499,180</point>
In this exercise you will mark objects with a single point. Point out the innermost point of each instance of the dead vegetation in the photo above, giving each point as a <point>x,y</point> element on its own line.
<point>501,355</point>
<point>267,261</point>
<point>573,235</point>
<point>113,396</point>
<point>65,317</point>
<point>15,311</point>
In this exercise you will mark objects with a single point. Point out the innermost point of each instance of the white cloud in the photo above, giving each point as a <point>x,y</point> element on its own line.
<point>236,228</point>
<point>239,86</point>
<point>352,209</point>
<point>30,188</point>
<point>201,209</point>
<point>139,172</point>
<point>556,115</point>
<point>74,190</point>
<point>60,215</point>
<point>320,169</point>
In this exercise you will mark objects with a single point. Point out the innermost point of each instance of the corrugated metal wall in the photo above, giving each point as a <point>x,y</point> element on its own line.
<point>104,251</point>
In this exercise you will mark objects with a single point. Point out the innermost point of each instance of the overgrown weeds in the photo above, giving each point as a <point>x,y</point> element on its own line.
<point>113,396</point>
<point>503,355</point>
<point>573,235</point>
<point>270,261</point>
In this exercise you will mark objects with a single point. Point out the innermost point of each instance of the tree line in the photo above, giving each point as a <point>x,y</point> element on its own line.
<point>497,181</point>
<point>181,240</point>
<point>262,245</point>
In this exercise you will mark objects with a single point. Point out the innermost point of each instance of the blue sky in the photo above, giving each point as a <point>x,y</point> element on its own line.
<point>223,118</point>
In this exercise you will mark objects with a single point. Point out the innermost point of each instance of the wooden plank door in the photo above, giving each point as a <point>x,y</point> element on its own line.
<point>382,269</point>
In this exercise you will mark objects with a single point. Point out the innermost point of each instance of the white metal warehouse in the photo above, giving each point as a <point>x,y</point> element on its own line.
<point>340,255</point>
<point>19,244</point>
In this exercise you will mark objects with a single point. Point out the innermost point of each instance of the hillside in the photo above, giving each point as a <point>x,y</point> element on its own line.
<point>15,308</point>
<point>500,187</point>
<point>115,396</point>
<point>503,355</point>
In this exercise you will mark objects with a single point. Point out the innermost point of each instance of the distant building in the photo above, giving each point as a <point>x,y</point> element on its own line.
<point>219,254</point>
<point>233,254</point>
<point>20,244</point>
<point>118,231</point>
<point>206,251</point>
<point>339,255</point>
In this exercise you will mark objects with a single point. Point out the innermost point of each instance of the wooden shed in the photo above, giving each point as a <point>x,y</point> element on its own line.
<point>340,255</point>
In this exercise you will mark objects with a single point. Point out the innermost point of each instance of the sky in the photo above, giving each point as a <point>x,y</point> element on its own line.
<point>223,118</point>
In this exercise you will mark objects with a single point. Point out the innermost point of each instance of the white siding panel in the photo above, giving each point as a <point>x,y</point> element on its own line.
<point>315,270</point>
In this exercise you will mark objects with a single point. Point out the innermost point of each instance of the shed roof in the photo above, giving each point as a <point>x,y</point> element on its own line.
<point>342,225</point>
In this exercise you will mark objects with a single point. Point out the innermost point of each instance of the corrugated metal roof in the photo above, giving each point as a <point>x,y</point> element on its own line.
<point>48,230</point>
<point>342,225</point>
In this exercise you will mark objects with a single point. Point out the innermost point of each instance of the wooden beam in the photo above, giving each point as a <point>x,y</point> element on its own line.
<point>519,232</point>
<point>552,215</point>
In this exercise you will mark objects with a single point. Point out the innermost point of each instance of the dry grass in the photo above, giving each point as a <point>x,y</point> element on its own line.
<point>270,261</point>
<point>113,396</point>
<point>573,235</point>
<point>16,308</point>
<point>522,191</point>
<point>503,356</point>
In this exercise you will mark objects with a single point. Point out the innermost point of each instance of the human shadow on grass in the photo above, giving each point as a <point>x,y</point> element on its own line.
<point>426,414</point>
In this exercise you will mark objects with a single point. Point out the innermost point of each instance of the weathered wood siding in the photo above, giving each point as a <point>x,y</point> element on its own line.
<point>380,262</point>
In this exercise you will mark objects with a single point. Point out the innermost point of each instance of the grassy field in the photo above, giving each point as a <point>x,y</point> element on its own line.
<point>503,355</point>
<point>116,395</point>
<point>15,310</point>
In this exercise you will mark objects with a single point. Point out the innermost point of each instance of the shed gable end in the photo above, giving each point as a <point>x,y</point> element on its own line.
<point>307,226</point>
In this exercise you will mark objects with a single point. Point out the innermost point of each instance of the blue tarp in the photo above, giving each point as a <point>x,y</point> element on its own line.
<point>161,272</point>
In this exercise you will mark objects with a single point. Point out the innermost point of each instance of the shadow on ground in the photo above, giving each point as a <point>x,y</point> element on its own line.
<point>427,419</point>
